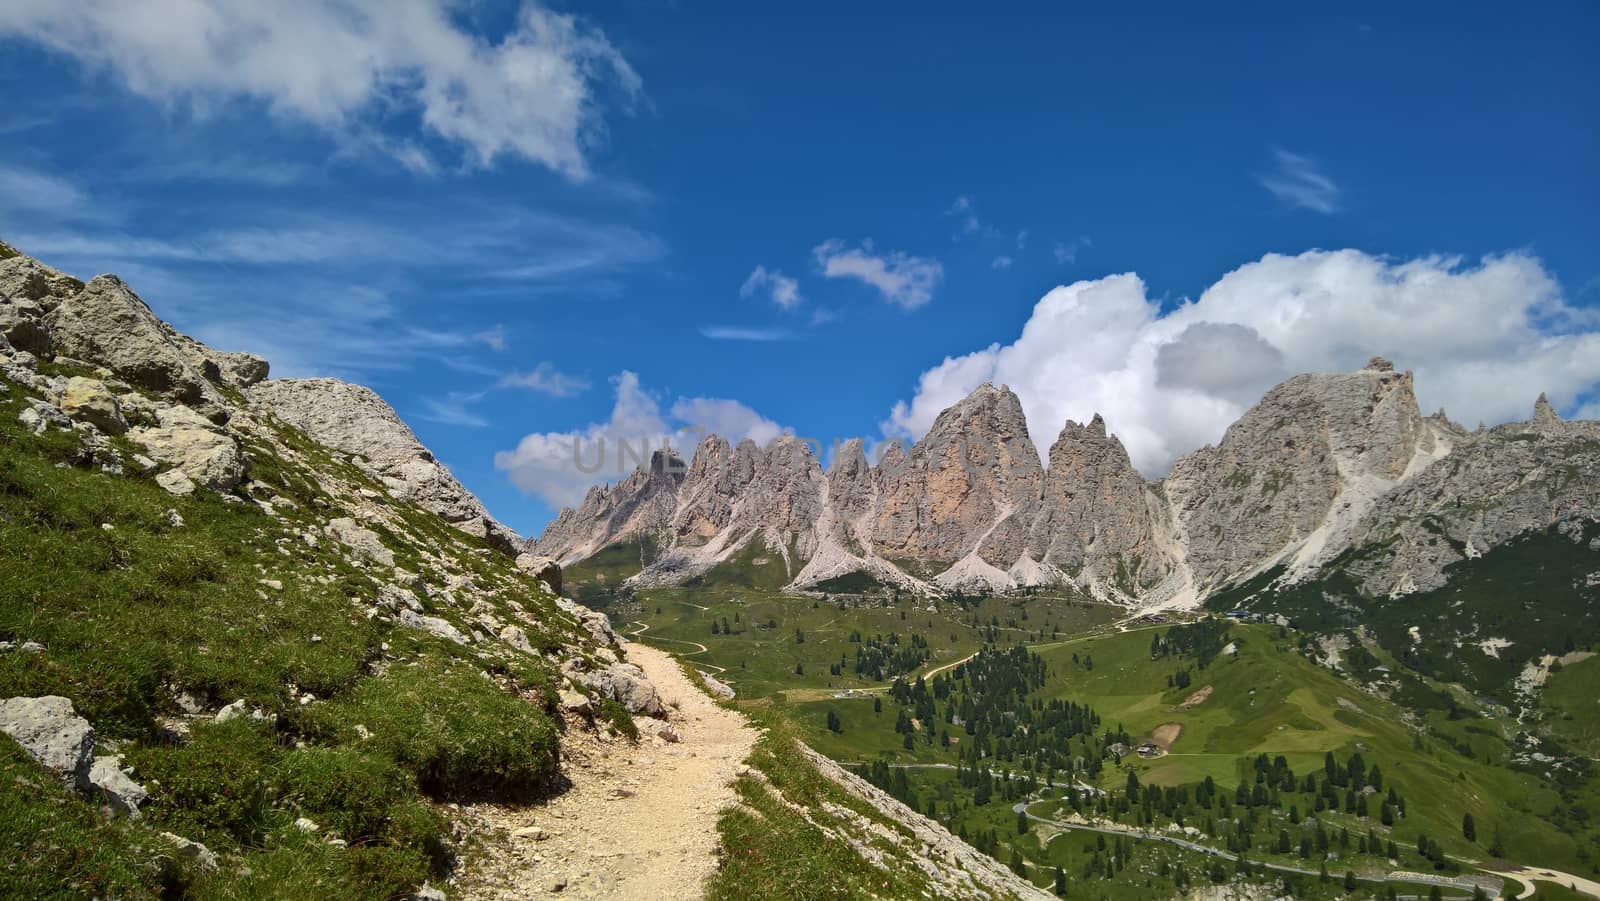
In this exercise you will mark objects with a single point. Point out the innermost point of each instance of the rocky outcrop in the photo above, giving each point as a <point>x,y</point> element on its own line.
<point>1493,486</point>
<point>109,325</point>
<point>64,743</point>
<point>355,420</point>
<point>1324,464</point>
<point>717,477</point>
<point>1097,519</point>
<point>1272,482</point>
<point>958,490</point>
<point>638,508</point>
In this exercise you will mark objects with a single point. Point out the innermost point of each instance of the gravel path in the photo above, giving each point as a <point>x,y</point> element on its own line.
<point>640,821</point>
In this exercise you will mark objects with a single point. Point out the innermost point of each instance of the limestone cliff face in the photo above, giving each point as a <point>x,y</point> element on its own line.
<point>1275,478</point>
<point>716,479</point>
<point>955,492</point>
<point>1097,519</point>
<point>640,507</point>
<point>1493,486</point>
<point>1323,465</point>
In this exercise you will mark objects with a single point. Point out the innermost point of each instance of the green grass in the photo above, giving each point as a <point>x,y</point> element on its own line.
<point>771,851</point>
<point>761,654</point>
<point>597,578</point>
<point>1571,705</point>
<point>134,608</point>
<point>56,845</point>
<point>1268,699</point>
<point>754,566</point>
<point>1531,592</point>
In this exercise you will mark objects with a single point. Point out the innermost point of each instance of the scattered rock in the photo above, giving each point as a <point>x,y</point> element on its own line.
<point>176,483</point>
<point>89,400</point>
<point>433,625</point>
<point>594,622</point>
<point>717,687</point>
<point>576,702</point>
<point>192,850</point>
<point>208,458</point>
<point>626,683</point>
<point>49,730</point>
<point>360,539</point>
<point>114,787</point>
<point>232,711</point>
<point>305,825</point>
<point>41,416</point>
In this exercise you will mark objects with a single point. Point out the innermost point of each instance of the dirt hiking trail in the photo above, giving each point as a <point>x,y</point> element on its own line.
<point>639,822</point>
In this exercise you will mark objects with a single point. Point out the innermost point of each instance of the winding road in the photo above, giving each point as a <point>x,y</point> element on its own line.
<point>1022,808</point>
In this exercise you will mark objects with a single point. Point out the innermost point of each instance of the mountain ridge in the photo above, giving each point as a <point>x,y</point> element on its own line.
<point>1320,467</point>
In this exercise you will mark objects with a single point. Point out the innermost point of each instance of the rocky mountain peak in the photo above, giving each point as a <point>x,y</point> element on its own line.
<point>1094,520</point>
<point>1543,413</point>
<point>974,468</point>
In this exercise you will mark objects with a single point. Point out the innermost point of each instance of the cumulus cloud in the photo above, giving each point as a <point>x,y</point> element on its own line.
<point>559,467</point>
<point>1300,182</point>
<point>1483,339</point>
<point>728,418</point>
<point>546,379</point>
<point>904,280</point>
<point>781,289</point>
<point>341,65</point>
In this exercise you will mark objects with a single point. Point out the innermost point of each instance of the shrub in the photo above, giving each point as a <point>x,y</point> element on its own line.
<point>616,713</point>
<point>456,731</point>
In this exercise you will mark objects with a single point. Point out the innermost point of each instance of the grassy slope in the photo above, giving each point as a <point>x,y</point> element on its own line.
<point>133,609</point>
<point>1569,703</point>
<point>761,660</point>
<point>1530,592</point>
<point>1294,710</point>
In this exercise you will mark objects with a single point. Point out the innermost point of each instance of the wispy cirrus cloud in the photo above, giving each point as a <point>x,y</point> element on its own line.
<point>904,280</point>
<point>741,333</point>
<point>1299,182</point>
<point>453,409</point>
<point>546,379</point>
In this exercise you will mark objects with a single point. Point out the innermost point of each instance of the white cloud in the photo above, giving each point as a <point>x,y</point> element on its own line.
<point>342,65</point>
<point>1067,251</point>
<point>1483,340</point>
<point>1001,262</point>
<point>559,467</point>
<point>546,379</point>
<point>1300,182</point>
<point>28,190</point>
<point>740,333</point>
<point>965,212</point>
<point>783,290</point>
<point>453,409</point>
<point>902,279</point>
<point>728,418</point>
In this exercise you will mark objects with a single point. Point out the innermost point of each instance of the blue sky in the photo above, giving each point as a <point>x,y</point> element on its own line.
<point>523,223</point>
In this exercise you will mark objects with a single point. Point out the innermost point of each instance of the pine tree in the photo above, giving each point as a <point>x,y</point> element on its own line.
<point>1469,829</point>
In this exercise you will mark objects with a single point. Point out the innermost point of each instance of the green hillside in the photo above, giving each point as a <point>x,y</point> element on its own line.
<point>133,603</point>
